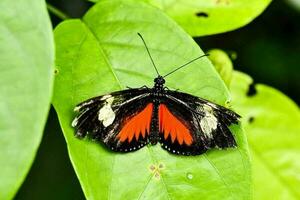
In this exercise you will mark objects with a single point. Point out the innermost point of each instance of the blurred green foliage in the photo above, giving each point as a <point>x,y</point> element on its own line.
<point>271,121</point>
<point>267,49</point>
<point>26,79</point>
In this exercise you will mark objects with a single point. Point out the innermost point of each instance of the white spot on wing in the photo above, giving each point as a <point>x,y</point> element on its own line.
<point>77,108</point>
<point>110,100</point>
<point>209,122</point>
<point>106,114</point>
<point>74,122</point>
<point>105,97</point>
<point>212,105</point>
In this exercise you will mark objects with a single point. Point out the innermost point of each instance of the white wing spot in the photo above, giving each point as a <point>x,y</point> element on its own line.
<point>77,108</point>
<point>106,97</point>
<point>74,122</point>
<point>106,114</point>
<point>209,122</point>
<point>212,105</point>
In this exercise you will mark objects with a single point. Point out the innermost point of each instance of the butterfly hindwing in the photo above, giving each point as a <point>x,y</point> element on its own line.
<point>177,133</point>
<point>131,129</point>
<point>114,119</point>
<point>207,123</point>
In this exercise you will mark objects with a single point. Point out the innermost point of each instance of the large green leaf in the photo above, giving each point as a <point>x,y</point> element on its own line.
<point>207,17</point>
<point>26,61</point>
<point>102,53</point>
<point>271,121</point>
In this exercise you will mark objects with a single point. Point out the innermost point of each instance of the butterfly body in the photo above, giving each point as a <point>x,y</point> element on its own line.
<point>128,120</point>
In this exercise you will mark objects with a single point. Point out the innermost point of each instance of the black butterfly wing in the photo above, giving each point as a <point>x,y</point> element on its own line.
<point>104,118</point>
<point>206,123</point>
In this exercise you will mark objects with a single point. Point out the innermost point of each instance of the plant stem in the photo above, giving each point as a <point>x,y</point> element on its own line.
<point>58,13</point>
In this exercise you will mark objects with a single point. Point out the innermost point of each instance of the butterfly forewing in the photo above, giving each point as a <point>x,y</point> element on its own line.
<point>120,119</point>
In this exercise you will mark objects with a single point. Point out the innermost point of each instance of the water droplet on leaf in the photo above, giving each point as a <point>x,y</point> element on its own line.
<point>189,176</point>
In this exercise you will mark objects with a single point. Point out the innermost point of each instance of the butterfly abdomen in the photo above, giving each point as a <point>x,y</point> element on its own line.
<point>154,131</point>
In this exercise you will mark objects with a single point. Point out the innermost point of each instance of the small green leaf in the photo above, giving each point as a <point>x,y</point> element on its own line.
<point>102,53</point>
<point>222,63</point>
<point>207,17</point>
<point>271,121</point>
<point>26,78</point>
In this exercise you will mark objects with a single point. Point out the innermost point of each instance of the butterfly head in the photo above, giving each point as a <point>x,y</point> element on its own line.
<point>159,82</point>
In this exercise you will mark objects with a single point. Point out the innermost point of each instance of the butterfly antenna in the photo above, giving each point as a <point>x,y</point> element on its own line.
<point>149,53</point>
<point>185,65</point>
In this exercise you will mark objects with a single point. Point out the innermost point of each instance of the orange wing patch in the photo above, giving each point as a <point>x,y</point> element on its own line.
<point>171,125</point>
<point>139,124</point>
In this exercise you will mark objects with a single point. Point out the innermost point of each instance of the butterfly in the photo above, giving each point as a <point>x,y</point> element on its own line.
<point>128,120</point>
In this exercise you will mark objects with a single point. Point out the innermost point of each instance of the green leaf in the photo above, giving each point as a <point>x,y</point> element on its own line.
<point>201,18</point>
<point>222,63</point>
<point>271,121</point>
<point>102,53</point>
<point>26,78</point>
<point>207,17</point>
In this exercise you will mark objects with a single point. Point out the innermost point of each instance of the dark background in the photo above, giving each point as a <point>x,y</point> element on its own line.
<point>268,49</point>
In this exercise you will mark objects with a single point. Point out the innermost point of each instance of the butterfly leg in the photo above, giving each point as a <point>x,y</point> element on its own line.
<point>144,87</point>
<point>166,88</point>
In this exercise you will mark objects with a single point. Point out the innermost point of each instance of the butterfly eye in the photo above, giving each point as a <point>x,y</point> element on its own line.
<point>159,80</point>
